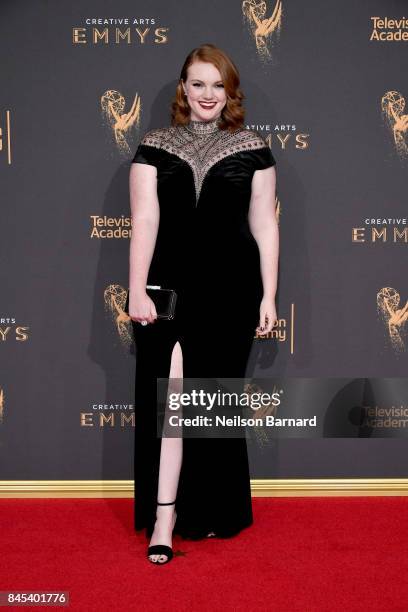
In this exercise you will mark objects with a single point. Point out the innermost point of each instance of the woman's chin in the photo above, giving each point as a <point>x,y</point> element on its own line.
<point>206,115</point>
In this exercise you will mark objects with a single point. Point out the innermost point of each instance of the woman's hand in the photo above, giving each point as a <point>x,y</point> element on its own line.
<point>141,307</point>
<point>267,315</point>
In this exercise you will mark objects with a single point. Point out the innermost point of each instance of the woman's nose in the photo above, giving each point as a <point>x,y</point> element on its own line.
<point>208,93</point>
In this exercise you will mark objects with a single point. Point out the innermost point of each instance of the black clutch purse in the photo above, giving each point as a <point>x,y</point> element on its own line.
<point>164,301</point>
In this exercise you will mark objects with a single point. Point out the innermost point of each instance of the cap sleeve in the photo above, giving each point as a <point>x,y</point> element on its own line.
<point>148,151</point>
<point>146,154</point>
<point>263,158</point>
<point>259,152</point>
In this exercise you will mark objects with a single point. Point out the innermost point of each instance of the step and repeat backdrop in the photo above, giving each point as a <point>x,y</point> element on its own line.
<point>325,84</point>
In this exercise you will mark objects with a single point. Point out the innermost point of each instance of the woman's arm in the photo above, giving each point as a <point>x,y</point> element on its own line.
<point>145,213</point>
<point>264,228</point>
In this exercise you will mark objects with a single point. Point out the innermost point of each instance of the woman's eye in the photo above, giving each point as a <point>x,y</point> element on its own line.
<point>199,85</point>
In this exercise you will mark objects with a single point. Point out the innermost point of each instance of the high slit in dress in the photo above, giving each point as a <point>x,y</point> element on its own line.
<point>204,251</point>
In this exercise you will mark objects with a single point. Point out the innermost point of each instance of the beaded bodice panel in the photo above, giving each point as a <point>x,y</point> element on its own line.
<point>202,144</point>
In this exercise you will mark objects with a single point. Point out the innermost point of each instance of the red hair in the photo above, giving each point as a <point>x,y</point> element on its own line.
<point>233,113</point>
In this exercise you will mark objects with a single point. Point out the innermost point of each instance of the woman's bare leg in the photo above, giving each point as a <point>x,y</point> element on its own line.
<point>170,463</point>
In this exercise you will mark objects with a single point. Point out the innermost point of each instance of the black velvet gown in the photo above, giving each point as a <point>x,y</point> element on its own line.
<point>207,254</point>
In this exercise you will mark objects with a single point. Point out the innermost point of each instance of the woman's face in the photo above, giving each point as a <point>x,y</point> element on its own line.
<point>205,91</point>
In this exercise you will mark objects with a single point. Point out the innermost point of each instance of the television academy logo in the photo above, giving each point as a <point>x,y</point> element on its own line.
<point>388,29</point>
<point>278,332</point>
<point>384,417</point>
<point>105,228</point>
<point>121,123</point>
<point>393,317</point>
<point>393,106</point>
<point>260,433</point>
<point>115,301</point>
<point>265,30</point>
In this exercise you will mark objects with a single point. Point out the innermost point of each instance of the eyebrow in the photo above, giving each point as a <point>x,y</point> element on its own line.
<point>220,81</point>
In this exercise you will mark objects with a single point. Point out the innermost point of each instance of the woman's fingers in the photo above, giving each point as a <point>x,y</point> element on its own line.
<point>147,313</point>
<point>153,312</point>
<point>269,325</point>
<point>266,323</point>
<point>262,323</point>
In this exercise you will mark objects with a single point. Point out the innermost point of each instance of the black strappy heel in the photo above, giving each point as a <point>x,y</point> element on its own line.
<point>161,549</point>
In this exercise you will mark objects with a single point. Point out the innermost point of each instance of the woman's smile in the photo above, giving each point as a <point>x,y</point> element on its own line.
<point>207,105</point>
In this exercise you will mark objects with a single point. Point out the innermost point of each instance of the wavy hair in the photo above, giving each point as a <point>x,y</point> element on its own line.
<point>233,113</point>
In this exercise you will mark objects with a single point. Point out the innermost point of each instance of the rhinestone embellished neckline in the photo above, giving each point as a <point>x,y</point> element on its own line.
<point>203,127</point>
<point>202,150</point>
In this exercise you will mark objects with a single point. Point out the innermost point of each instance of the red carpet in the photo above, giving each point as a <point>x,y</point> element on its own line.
<point>302,554</point>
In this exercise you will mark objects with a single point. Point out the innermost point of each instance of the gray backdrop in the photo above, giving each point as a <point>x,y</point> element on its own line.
<point>62,350</point>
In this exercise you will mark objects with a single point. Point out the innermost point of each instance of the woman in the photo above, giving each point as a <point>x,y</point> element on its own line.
<point>202,200</point>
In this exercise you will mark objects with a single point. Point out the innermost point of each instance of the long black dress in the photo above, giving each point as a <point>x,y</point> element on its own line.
<point>206,252</point>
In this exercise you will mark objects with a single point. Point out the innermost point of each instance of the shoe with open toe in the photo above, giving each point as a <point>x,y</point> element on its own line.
<point>161,549</point>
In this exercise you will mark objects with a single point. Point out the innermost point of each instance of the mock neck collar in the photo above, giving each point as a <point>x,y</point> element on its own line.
<point>203,127</point>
